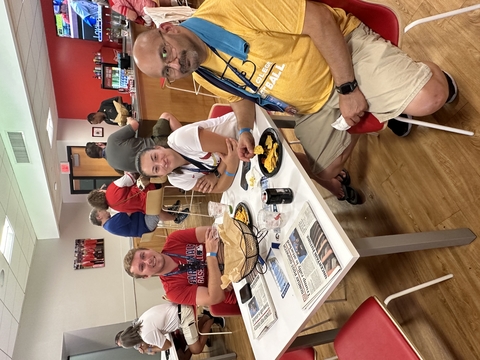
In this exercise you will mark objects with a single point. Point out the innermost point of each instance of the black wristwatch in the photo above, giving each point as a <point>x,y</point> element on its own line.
<point>346,88</point>
<point>216,173</point>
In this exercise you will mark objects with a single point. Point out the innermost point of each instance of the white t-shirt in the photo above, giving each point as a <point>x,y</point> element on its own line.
<point>187,142</point>
<point>158,321</point>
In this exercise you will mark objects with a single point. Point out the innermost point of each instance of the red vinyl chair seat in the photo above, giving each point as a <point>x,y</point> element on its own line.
<point>218,110</point>
<point>223,309</point>
<point>371,334</point>
<point>300,354</point>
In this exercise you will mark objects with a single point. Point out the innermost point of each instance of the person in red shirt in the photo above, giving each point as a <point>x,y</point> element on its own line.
<point>188,267</point>
<point>123,195</point>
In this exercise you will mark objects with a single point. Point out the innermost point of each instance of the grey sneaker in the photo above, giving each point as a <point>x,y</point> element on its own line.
<point>181,217</point>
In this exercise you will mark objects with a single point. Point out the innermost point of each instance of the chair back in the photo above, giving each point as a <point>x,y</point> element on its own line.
<point>154,202</point>
<point>308,353</point>
<point>377,17</point>
<point>218,110</point>
<point>371,333</point>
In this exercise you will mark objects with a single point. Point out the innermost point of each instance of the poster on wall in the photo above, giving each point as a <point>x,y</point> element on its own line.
<point>89,254</point>
<point>79,19</point>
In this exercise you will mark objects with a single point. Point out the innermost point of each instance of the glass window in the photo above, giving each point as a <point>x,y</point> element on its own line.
<point>6,243</point>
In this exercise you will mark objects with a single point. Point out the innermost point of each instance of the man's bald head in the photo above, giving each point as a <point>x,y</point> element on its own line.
<point>170,50</point>
<point>145,54</point>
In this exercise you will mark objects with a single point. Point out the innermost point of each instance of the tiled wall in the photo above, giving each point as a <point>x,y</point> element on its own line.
<point>12,292</point>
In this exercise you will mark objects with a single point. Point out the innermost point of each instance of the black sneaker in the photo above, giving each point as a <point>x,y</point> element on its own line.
<point>452,88</point>
<point>219,321</point>
<point>400,128</point>
<point>181,217</point>
<point>174,207</point>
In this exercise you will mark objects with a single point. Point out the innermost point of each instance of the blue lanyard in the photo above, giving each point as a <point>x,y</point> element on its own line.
<point>235,70</point>
<point>192,264</point>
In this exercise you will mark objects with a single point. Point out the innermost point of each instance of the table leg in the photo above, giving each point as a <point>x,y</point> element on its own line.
<point>319,338</point>
<point>392,244</point>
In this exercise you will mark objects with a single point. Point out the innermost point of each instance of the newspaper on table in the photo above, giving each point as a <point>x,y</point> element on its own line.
<point>260,306</point>
<point>310,261</point>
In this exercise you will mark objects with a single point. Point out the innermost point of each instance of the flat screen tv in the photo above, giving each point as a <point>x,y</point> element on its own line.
<point>79,19</point>
<point>113,77</point>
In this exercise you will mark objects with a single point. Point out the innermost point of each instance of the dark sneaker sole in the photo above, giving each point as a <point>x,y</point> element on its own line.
<point>452,88</point>
<point>399,128</point>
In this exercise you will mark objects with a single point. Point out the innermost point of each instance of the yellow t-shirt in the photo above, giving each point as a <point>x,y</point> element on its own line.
<point>281,62</point>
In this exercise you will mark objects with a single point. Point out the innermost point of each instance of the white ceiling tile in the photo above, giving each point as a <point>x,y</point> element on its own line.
<point>15,261</point>
<point>5,326</point>
<point>15,11</point>
<point>7,273</point>
<point>23,39</point>
<point>29,19</point>
<point>30,77</point>
<point>13,337</point>
<point>23,270</point>
<point>18,303</point>
<point>11,286</point>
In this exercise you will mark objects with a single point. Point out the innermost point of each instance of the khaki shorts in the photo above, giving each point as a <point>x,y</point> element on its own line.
<point>388,78</point>
<point>160,132</point>
<point>187,324</point>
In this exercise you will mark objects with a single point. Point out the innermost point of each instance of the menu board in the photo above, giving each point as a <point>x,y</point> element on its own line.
<point>113,77</point>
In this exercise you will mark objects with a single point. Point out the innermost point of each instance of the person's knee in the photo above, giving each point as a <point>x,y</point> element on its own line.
<point>432,96</point>
<point>196,348</point>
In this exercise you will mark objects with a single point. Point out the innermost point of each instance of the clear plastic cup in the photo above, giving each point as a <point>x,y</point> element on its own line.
<point>215,233</point>
<point>216,209</point>
<point>270,220</point>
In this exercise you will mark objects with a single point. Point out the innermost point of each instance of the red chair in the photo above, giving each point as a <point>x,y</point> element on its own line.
<point>224,310</point>
<point>372,333</point>
<point>300,354</point>
<point>218,110</point>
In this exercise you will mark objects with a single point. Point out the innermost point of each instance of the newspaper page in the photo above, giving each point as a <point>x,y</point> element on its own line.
<point>260,306</point>
<point>278,274</point>
<point>309,259</point>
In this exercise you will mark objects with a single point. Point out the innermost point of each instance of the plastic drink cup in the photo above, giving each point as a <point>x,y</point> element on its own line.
<point>216,209</point>
<point>270,220</point>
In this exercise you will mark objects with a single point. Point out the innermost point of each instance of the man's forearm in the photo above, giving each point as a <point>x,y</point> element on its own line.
<point>245,113</point>
<point>216,293</point>
<point>329,40</point>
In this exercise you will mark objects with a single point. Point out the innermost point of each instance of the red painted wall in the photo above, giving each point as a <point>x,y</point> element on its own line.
<point>77,93</point>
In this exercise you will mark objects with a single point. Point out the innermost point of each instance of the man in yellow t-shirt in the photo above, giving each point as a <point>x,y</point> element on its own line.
<point>299,53</point>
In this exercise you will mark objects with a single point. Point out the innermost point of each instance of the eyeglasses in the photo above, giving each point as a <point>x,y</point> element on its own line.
<point>167,55</point>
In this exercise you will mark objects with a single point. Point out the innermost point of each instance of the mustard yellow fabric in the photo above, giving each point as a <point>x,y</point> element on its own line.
<point>281,61</point>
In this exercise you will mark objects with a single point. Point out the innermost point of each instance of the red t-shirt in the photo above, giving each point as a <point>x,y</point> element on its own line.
<point>123,195</point>
<point>182,288</point>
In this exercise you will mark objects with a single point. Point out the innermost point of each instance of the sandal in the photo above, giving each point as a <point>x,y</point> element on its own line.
<point>344,180</point>
<point>351,195</point>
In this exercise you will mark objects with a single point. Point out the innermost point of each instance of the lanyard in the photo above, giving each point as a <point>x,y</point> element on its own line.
<point>191,265</point>
<point>235,70</point>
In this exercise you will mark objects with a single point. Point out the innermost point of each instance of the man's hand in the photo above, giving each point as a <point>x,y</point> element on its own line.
<point>131,15</point>
<point>231,157</point>
<point>206,184</point>
<point>353,106</point>
<point>246,143</point>
<point>211,241</point>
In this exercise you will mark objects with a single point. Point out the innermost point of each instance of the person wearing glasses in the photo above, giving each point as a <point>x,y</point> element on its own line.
<point>201,156</point>
<point>303,58</point>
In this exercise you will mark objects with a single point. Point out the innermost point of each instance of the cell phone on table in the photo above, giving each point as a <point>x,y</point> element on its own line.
<point>243,180</point>
<point>245,293</point>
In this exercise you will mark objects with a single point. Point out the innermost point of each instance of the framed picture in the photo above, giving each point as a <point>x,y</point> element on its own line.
<point>97,131</point>
<point>89,254</point>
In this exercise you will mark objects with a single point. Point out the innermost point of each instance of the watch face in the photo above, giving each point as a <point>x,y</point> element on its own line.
<point>347,88</point>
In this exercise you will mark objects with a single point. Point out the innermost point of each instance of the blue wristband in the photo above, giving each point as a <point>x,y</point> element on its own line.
<point>241,131</point>
<point>229,173</point>
<point>214,254</point>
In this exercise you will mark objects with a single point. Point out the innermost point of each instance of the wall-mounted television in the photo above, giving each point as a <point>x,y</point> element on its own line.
<point>79,19</point>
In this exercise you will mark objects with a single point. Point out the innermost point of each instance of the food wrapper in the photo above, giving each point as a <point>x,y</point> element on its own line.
<point>234,251</point>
